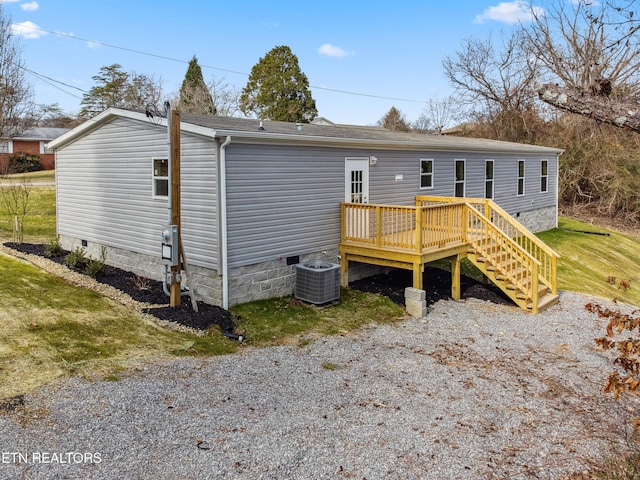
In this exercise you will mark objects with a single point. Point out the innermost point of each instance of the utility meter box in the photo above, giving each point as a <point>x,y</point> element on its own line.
<point>170,245</point>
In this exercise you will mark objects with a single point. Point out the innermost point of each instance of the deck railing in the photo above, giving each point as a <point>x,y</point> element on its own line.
<point>511,228</point>
<point>437,222</point>
<point>404,227</point>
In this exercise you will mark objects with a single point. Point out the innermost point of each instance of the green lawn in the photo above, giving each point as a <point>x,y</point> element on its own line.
<point>40,221</point>
<point>588,260</point>
<point>41,176</point>
<point>52,329</point>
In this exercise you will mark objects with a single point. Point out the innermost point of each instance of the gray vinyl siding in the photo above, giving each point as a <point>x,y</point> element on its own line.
<point>385,189</point>
<point>284,200</point>
<point>104,190</point>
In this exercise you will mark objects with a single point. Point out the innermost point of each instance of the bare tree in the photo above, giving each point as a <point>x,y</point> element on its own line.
<point>226,98</point>
<point>494,82</point>
<point>589,53</point>
<point>14,194</point>
<point>437,114</point>
<point>16,95</point>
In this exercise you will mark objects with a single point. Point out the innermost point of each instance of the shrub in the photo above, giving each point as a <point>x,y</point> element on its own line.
<point>77,258</point>
<point>96,268</point>
<point>53,248</point>
<point>24,162</point>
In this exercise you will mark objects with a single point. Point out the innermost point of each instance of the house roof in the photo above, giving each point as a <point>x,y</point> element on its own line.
<point>268,131</point>
<point>41,133</point>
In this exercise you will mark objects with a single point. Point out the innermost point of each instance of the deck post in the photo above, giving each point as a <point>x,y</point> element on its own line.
<point>456,262</point>
<point>344,270</point>
<point>417,275</point>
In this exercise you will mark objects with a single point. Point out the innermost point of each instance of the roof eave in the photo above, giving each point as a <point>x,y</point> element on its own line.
<point>385,144</point>
<point>110,113</point>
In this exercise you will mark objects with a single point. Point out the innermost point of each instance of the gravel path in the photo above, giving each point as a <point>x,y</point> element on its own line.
<point>474,390</point>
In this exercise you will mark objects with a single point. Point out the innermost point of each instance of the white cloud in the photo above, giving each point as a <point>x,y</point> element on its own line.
<point>27,30</point>
<point>94,44</point>
<point>333,51</point>
<point>30,7</point>
<point>510,13</point>
<point>9,1</point>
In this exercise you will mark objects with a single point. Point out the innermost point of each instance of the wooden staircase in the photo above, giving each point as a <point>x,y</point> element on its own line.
<point>435,228</point>
<point>512,258</point>
<point>508,254</point>
<point>506,272</point>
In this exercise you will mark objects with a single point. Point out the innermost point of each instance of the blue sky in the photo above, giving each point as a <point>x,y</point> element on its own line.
<point>390,49</point>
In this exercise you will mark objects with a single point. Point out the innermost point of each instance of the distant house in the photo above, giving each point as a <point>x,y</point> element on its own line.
<point>260,196</point>
<point>32,141</point>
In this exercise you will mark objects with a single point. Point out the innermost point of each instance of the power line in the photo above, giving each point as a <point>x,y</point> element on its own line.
<point>164,57</point>
<point>51,81</point>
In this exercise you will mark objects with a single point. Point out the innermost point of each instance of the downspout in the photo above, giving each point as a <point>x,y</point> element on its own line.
<point>223,222</point>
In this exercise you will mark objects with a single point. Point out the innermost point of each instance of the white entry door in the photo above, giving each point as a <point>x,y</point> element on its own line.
<point>356,190</point>
<point>356,180</point>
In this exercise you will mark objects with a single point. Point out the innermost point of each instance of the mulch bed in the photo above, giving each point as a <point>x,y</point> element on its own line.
<point>436,282</point>
<point>152,293</point>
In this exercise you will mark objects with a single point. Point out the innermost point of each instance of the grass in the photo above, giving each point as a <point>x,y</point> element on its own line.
<point>40,222</point>
<point>588,260</point>
<point>51,329</point>
<point>287,320</point>
<point>41,176</point>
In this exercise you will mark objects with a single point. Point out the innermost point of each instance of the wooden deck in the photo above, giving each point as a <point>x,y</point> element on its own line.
<point>439,227</point>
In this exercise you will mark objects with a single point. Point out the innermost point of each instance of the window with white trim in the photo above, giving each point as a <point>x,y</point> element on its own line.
<point>426,173</point>
<point>544,176</point>
<point>160,177</point>
<point>520,177</point>
<point>488,179</point>
<point>6,146</point>
<point>43,147</point>
<point>459,178</point>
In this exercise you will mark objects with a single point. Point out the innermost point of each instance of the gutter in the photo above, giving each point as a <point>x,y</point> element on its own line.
<point>223,222</point>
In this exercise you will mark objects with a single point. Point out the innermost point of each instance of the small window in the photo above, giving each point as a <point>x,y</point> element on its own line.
<point>488,179</point>
<point>544,176</point>
<point>520,177</point>
<point>160,177</point>
<point>43,147</point>
<point>6,146</point>
<point>426,173</point>
<point>459,178</point>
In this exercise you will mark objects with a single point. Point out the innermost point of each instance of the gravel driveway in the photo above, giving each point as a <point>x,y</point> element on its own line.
<point>474,390</point>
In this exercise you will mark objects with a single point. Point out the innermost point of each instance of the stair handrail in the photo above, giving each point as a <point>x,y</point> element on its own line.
<point>548,266</point>
<point>535,264</point>
<point>548,258</point>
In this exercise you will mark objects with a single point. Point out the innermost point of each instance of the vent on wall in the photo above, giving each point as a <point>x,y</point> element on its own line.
<point>317,282</point>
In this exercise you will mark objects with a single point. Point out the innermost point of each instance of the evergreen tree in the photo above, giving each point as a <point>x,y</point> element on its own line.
<point>195,97</point>
<point>278,90</point>
<point>109,91</point>
<point>117,88</point>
